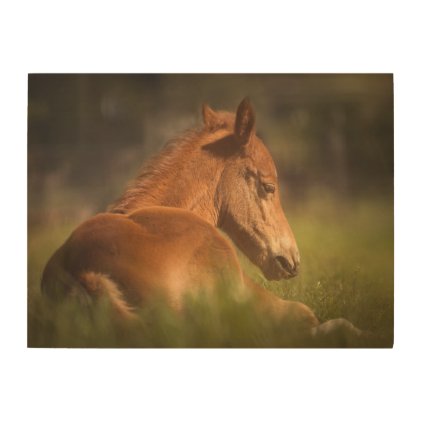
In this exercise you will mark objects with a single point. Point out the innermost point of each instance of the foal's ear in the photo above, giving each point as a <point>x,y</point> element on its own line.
<point>209,116</point>
<point>244,126</point>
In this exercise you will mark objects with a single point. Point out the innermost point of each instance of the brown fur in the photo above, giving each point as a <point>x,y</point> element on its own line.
<point>97,285</point>
<point>161,237</point>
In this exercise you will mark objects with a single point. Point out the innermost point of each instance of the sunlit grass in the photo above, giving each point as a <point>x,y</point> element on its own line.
<point>346,271</point>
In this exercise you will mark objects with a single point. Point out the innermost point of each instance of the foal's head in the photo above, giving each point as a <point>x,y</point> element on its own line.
<point>248,194</point>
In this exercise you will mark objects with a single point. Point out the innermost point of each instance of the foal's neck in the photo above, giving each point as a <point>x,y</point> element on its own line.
<point>186,178</point>
<point>192,188</point>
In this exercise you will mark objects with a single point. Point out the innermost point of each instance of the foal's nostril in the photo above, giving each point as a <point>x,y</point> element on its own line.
<point>286,265</point>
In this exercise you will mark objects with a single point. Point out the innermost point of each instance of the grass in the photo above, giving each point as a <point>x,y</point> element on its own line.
<point>346,271</point>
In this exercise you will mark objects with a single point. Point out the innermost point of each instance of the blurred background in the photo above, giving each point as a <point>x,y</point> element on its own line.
<point>331,136</point>
<point>89,134</point>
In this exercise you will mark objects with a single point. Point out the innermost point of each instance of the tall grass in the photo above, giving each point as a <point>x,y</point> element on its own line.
<point>346,271</point>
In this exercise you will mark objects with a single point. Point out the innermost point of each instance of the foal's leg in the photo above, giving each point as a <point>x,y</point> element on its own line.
<point>292,315</point>
<point>340,332</point>
<point>299,317</point>
<point>336,326</point>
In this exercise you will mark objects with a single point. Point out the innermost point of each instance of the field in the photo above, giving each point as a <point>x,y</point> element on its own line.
<point>347,267</point>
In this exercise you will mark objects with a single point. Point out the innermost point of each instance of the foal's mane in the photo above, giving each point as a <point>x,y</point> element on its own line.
<point>167,162</point>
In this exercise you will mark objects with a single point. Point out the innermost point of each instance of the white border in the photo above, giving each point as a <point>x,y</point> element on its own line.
<point>128,36</point>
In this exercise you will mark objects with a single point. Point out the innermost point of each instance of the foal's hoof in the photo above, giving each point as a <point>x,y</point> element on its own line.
<point>342,333</point>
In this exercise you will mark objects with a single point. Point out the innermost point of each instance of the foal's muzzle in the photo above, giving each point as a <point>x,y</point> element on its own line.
<point>290,266</point>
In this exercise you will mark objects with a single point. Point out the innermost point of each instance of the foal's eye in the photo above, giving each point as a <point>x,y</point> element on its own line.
<point>269,187</point>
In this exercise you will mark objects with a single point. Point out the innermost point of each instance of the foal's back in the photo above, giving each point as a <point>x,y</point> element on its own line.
<point>154,251</point>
